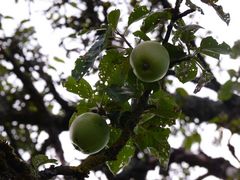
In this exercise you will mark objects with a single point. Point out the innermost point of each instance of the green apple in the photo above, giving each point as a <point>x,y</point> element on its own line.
<point>150,61</point>
<point>89,132</point>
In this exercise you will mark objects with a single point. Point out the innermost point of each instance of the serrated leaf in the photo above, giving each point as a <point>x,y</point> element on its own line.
<point>113,68</point>
<point>83,63</point>
<point>204,79</point>
<point>193,6</point>
<point>113,18</point>
<point>224,16</point>
<point>210,47</point>
<point>138,13</point>
<point>164,106</point>
<point>57,59</point>
<point>149,120</point>
<point>81,87</point>
<point>186,33</point>
<point>152,20</point>
<point>219,10</point>
<point>141,35</point>
<point>123,158</point>
<point>176,53</point>
<point>186,71</point>
<point>119,94</point>
<point>41,159</point>
<point>226,91</point>
<point>114,135</point>
<point>154,140</point>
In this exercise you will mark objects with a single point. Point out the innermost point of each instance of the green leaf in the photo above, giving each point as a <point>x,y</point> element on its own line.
<point>219,10</point>
<point>176,53</point>
<point>119,94</point>
<point>149,120</point>
<point>138,13</point>
<point>186,33</point>
<point>191,28</point>
<point>210,47</point>
<point>235,52</point>
<point>85,105</point>
<point>181,92</point>
<point>224,16</point>
<point>186,71</point>
<point>113,18</point>
<point>134,84</point>
<point>155,141</point>
<point>193,6</point>
<point>123,158</point>
<point>8,17</point>
<point>25,21</point>
<point>189,140</point>
<point>113,68</point>
<point>3,70</point>
<point>164,106</point>
<point>141,35</point>
<point>83,63</point>
<point>57,59</point>
<point>114,135</point>
<point>232,73</point>
<point>152,20</point>
<point>73,117</point>
<point>81,87</point>
<point>226,91</point>
<point>73,4</point>
<point>41,159</point>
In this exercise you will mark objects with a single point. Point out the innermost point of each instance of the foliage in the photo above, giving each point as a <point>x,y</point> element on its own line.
<point>41,159</point>
<point>152,131</point>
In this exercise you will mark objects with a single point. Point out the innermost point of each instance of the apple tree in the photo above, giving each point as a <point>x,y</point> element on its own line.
<point>134,52</point>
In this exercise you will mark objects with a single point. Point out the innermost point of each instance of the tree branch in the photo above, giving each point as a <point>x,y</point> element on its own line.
<point>216,166</point>
<point>11,166</point>
<point>109,154</point>
<point>175,17</point>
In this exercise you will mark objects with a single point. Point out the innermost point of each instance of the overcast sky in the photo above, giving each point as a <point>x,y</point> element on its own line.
<point>49,40</point>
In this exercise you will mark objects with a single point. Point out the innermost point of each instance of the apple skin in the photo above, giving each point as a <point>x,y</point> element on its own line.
<point>150,61</point>
<point>89,132</point>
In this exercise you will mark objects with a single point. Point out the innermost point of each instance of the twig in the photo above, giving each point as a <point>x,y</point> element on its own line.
<point>125,40</point>
<point>203,176</point>
<point>175,17</point>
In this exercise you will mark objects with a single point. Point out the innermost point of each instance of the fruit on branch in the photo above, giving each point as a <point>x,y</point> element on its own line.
<point>150,61</point>
<point>89,132</point>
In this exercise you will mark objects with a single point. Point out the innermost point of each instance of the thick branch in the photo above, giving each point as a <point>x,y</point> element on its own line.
<point>218,167</point>
<point>11,167</point>
<point>26,80</point>
<point>36,118</point>
<point>205,109</point>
